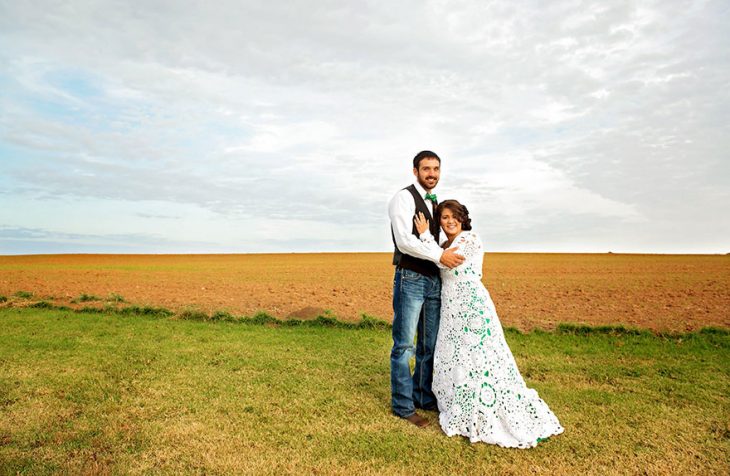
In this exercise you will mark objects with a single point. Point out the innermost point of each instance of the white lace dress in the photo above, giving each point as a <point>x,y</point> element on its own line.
<point>480,392</point>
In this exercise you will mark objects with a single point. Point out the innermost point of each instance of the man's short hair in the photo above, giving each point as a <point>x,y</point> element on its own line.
<point>424,154</point>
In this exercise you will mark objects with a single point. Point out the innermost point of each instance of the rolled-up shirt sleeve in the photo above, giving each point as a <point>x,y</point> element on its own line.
<point>401,211</point>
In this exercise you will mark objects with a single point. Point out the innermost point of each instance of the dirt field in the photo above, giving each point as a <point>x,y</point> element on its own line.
<point>660,292</point>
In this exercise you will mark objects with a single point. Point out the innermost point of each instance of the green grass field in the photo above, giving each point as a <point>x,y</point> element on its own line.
<point>107,393</point>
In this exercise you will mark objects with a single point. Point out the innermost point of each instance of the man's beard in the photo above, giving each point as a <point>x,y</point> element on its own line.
<point>425,185</point>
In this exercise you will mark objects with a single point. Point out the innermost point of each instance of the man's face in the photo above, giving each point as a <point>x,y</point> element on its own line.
<point>428,173</point>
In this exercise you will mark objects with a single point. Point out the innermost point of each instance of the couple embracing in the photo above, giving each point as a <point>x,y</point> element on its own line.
<point>464,367</point>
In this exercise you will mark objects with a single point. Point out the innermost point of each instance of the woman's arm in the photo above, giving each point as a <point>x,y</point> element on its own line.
<point>469,244</point>
<point>422,227</point>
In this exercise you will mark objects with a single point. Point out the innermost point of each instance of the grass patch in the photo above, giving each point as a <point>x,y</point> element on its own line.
<point>580,329</point>
<point>114,297</point>
<point>222,316</point>
<point>261,318</point>
<point>718,331</point>
<point>149,311</point>
<point>370,322</point>
<point>24,294</point>
<point>85,298</point>
<point>193,315</point>
<point>99,392</point>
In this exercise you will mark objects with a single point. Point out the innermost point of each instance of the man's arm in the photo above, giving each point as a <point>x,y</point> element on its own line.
<point>449,258</point>
<point>401,211</point>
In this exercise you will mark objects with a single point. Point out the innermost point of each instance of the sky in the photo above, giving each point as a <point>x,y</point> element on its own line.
<point>264,126</point>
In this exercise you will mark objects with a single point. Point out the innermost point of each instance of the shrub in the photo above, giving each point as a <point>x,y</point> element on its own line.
<point>193,315</point>
<point>330,321</point>
<point>222,316</point>
<point>145,311</point>
<point>3,299</point>
<point>90,310</point>
<point>326,321</point>
<point>581,329</point>
<point>292,322</point>
<point>24,294</point>
<point>718,331</point>
<point>370,322</point>
<point>86,298</point>
<point>261,318</point>
<point>114,297</point>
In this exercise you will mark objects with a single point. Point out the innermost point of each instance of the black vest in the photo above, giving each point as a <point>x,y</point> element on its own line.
<point>407,261</point>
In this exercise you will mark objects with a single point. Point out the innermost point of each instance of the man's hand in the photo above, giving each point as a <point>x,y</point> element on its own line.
<point>450,259</point>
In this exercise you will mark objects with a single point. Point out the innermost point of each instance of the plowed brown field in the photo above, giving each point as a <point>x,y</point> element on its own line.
<point>660,292</point>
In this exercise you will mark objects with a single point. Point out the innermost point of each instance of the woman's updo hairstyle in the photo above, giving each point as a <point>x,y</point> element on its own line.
<point>460,213</point>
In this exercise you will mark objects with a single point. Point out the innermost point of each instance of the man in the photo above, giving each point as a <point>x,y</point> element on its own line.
<point>416,291</point>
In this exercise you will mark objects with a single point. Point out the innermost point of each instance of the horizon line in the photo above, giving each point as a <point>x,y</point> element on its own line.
<point>358,252</point>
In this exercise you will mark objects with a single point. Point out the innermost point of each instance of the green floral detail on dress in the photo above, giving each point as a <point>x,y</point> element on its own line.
<point>487,395</point>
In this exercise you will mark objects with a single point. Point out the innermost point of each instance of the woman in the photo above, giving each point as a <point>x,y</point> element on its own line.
<point>480,392</point>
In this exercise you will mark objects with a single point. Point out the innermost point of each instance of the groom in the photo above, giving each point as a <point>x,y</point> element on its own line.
<point>416,291</point>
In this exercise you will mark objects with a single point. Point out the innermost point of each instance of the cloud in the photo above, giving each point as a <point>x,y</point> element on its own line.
<point>548,117</point>
<point>14,240</point>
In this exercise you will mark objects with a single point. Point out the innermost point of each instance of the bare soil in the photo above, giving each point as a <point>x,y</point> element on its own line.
<point>530,290</point>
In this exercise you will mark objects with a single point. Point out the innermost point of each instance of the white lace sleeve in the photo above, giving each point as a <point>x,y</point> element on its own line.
<point>427,237</point>
<point>470,246</point>
<point>468,243</point>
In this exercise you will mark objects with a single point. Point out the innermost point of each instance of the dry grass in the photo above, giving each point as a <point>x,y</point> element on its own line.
<point>110,394</point>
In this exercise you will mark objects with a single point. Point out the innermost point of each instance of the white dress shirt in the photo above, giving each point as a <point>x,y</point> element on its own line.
<point>401,211</point>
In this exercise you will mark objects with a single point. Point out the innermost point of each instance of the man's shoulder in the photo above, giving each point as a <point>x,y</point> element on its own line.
<point>406,189</point>
<point>403,193</point>
<point>401,202</point>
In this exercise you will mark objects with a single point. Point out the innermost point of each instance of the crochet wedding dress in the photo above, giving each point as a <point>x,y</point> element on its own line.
<point>480,392</point>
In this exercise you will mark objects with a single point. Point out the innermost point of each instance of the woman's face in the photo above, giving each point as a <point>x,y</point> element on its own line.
<point>449,223</point>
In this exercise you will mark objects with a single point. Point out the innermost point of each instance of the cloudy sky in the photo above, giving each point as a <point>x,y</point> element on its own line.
<point>265,126</point>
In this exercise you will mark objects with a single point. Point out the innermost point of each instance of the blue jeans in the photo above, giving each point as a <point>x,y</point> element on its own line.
<point>416,307</point>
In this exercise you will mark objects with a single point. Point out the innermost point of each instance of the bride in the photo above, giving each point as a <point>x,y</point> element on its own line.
<point>480,392</point>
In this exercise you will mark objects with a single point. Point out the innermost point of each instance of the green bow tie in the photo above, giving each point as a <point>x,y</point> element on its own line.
<point>431,196</point>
